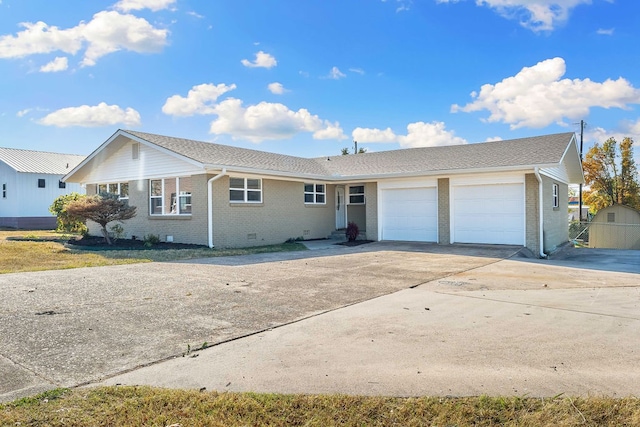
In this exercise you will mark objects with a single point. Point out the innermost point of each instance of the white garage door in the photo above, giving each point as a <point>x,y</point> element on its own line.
<point>410,214</point>
<point>489,214</point>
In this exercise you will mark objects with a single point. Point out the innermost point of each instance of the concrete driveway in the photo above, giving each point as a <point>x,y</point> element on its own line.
<point>382,318</point>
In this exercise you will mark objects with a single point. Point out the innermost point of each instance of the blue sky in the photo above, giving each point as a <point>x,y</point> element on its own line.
<point>308,77</point>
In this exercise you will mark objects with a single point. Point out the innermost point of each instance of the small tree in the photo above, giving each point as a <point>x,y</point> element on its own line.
<point>102,209</point>
<point>65,221</point>
<point>611,174</point>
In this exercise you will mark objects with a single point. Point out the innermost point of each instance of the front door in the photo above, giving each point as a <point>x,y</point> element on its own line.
<point>341,212</point>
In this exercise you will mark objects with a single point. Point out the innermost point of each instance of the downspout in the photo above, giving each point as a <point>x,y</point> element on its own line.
<point>541,216</point>
<point>210,205</point>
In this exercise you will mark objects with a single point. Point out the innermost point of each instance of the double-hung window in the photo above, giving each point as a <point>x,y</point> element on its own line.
<point>4,191</point>
<point>315,194</point>
<point>170,196</point>
<point>120,189</point>
<point>356,195</point>
<point>245,190</point>
<point>556,196</point>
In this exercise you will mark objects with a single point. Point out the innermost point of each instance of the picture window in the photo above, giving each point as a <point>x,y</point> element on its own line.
<point>169,196</point>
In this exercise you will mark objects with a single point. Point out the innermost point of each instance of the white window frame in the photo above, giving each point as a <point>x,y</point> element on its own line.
<point>245,190</point>
<point>318,193</point>
<point>556,196</point>
<point>351,195</point>
<point>118,189</point>
<point>179,195</point>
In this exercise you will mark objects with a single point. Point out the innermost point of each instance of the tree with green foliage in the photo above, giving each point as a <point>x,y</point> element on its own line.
<point>612,175</point>
<point>102,209</point>
<point>65,221</point>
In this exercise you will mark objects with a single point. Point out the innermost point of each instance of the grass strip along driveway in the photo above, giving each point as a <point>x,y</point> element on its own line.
<point>136,406</point>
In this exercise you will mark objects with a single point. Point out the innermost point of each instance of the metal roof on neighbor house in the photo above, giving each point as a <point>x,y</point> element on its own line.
<point>530,152</point>
<point>28,161</point>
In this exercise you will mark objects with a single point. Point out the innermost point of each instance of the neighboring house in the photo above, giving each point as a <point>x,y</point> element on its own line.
<point>31,181</point>
<point>506,192</point>
<point>574,210</point>
<point>615,227</point>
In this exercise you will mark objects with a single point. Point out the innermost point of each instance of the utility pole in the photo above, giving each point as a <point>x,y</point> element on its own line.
<point>355,150</point>
<point>582,125</point>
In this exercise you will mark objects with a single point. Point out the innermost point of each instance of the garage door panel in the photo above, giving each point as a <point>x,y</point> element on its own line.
<point>410,214</point>
<point>492,214</point>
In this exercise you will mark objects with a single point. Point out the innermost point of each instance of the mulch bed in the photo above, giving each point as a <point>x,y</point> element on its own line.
<point>98,243</point>
<point>354,243</point>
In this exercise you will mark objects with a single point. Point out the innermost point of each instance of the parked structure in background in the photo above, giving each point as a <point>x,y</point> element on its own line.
<point>615,227</point>
<point>30,181</point>
<point>574,210</point>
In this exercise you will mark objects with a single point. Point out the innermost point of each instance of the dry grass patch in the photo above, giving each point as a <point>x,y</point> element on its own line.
<point>45,250</point>
<point>136,406</point>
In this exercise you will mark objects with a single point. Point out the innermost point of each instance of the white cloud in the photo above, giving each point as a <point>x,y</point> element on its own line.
<point>537,96</point>
<point>24,112</point>
<point>373,135</point>
<point>195,14</point>
<point>154,5</point>
<point>263,60</point>
<point>266,121</point>
<point>107,32</point>
<point>335,74</point>
<point>493,139</point>
<point>200,100</point>
<point>40,38</point>
<point>605,31</point>
<point>92,116</point>
<point>277,88</point>
<point>419,134</point>
<point>357,71</point>
<point>60,63</point>
<point>434,134</point>
<point>536,15</point>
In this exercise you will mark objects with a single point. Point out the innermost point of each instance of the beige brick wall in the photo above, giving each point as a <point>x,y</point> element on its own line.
<point>555,220</point>
<point>532,213</point>
<point>444,212</point>
<point>371,210</point>
<point>184,228</point>
<point>282,215</point>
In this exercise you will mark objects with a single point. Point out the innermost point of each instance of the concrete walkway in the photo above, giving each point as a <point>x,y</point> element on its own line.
<point>515,327</point>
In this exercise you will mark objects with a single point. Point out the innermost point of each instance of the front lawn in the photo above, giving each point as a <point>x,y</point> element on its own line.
<point>22,250</point>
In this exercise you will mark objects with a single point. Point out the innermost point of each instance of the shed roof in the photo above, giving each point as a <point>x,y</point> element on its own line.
<point>28,161</point>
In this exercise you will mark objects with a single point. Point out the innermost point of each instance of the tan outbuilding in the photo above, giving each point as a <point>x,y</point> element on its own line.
<point>616,227</point>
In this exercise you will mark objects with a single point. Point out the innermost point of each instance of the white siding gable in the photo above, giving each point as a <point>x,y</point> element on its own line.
<point>122,166</point>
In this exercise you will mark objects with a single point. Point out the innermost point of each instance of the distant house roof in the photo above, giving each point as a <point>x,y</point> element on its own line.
<point>540,151</point>
<point>28,161</point>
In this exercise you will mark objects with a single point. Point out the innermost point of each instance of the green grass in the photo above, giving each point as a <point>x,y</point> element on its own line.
<point>137,406</point>
<point>45,250</point>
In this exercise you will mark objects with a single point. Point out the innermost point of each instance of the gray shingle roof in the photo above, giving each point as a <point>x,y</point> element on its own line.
<point>508,154</point>
<point>28,161</point>
<point>224,155</point>
<point>527,152</point>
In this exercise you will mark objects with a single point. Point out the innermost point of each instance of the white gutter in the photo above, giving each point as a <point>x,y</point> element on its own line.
<point>540,202</point>
<point>210,205</point>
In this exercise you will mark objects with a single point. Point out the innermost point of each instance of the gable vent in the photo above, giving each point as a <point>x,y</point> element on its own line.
<point>135,150</point>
